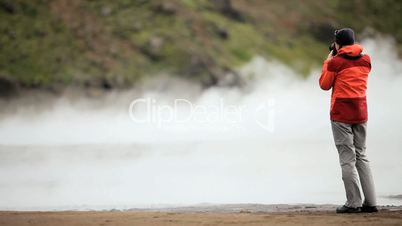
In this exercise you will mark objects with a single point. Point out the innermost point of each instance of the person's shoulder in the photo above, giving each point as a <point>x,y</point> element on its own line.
<point>366,57</point>
<point>335,64</point>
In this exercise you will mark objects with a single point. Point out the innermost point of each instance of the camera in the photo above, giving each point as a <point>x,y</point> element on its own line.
<point>333,49</point>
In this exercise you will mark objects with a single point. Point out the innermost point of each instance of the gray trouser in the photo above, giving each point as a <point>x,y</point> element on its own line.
<point>350,140</point>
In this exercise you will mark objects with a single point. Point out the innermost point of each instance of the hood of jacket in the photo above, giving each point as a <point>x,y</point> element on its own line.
<point>351,50</point>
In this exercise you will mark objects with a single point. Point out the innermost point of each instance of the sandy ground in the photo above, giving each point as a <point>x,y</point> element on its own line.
<point>202,216</point>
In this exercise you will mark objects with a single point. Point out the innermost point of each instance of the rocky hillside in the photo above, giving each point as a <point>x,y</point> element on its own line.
<point>112,44</point>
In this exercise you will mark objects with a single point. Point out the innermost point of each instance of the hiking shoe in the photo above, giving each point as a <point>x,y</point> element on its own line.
<point>345,209</point>
<point>369,209</point>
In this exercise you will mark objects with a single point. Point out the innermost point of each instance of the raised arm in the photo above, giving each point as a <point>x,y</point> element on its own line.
<point>327,77</point>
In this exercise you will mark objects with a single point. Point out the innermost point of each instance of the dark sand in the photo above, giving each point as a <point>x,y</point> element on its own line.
<point>206,215</point>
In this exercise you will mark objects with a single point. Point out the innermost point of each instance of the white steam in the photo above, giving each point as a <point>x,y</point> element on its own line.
<point>81,155</point>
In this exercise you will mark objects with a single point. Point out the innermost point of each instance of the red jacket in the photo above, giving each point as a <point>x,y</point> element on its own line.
<point>347,75</point>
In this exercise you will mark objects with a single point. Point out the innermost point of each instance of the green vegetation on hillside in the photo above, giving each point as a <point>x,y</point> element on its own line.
<point>108,44</point>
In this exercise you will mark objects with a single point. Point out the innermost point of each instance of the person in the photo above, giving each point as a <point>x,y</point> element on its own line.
<point>346,72</point>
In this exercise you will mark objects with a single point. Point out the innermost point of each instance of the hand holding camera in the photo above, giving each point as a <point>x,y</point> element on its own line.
<point>332,51</point>
<point>332,48</point>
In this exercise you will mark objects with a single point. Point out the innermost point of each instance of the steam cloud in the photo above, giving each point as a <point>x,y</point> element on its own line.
<point>77,154</point>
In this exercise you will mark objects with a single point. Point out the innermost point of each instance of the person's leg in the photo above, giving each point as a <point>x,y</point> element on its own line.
<point>343,137</point>
<point>362,164</point>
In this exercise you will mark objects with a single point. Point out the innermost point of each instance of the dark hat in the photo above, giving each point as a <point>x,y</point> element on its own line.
<point>345,36</point>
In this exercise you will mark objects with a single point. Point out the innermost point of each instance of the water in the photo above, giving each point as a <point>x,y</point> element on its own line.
<point>89,154</point>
